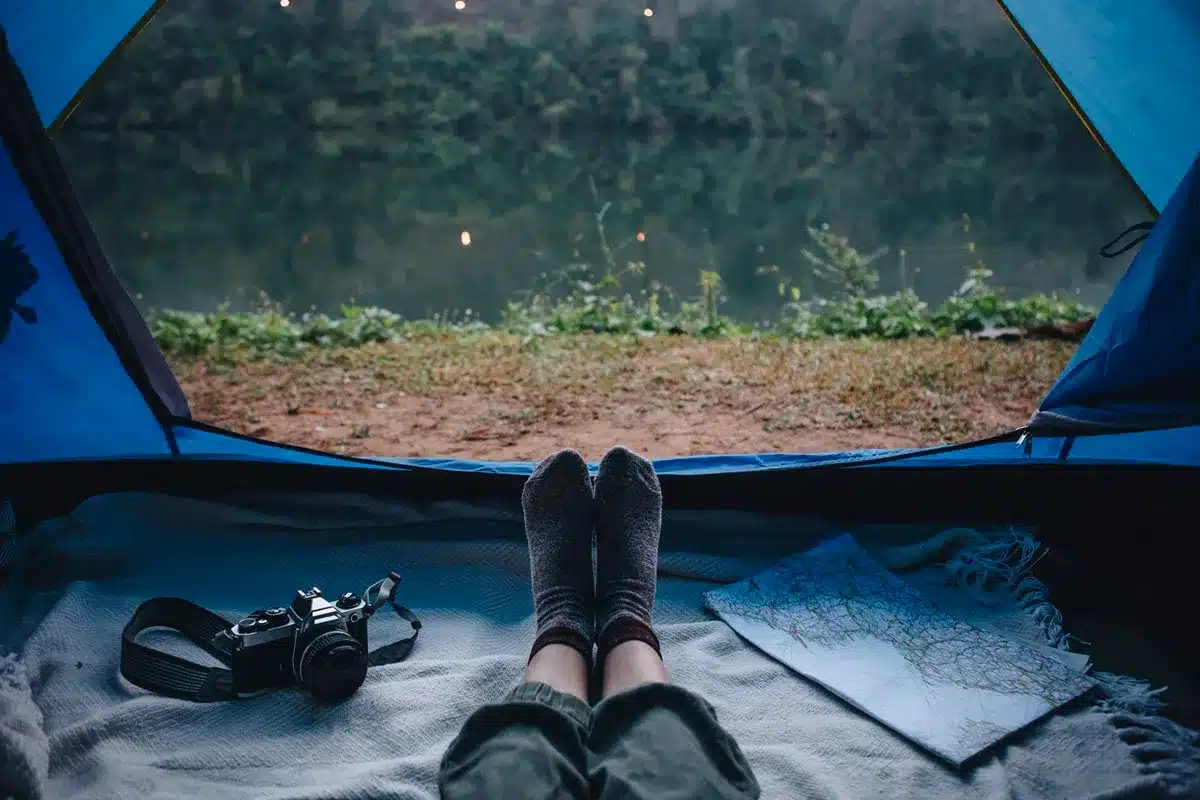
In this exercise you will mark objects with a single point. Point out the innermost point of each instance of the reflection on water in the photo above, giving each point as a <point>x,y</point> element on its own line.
<point>354,222</point>
<point>423,158</point>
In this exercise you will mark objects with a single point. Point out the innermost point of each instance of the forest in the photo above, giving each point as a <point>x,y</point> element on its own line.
<point>265,127</point>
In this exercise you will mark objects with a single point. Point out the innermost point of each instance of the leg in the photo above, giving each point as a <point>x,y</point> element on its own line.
<point>631,664</point>
<point>561,668</point>
<point>530,746</point>
<point>628,525</point>
<point>533,745</point>
<point>648,739</point>
<point>661,742</point>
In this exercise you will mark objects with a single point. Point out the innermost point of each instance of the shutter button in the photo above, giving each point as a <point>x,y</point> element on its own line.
<point>348,600</point>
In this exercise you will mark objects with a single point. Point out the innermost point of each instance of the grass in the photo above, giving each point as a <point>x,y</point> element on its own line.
<point>589,361</point>
<point>591,299</point>
<point>270,332</point>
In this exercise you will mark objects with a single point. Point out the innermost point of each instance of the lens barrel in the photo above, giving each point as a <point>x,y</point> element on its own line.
<point>332,666</point>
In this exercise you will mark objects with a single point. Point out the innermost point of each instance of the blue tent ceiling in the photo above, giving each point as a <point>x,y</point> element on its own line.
<point>1130,68</point>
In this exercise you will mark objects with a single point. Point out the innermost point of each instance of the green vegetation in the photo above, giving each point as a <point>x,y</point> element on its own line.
<point>239,128</point>
<point>560,66</point>
<point>583,300</point>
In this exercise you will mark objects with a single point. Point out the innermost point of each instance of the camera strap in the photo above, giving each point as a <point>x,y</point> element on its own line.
<point>173,676</point>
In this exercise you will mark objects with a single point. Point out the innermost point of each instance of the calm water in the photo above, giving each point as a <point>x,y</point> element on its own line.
<point>191,224</point>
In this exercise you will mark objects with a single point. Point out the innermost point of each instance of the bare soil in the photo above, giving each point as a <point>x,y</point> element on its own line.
<point>496,396</point>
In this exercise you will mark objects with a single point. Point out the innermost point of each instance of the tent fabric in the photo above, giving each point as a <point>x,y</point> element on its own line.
<point>86,379</point>
<point>66,393</point>
<point>1174,447</point>
<point>202,442</point>
<point>1130,67</point>
<point>60,44</point>
<point>1139,366</point>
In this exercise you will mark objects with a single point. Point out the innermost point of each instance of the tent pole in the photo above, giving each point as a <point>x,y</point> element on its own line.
<point>105,65</point>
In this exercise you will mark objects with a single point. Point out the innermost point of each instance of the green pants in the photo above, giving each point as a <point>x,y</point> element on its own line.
<point>653,741</point>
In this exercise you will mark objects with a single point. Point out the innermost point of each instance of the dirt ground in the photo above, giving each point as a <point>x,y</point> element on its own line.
<point>495,396</point>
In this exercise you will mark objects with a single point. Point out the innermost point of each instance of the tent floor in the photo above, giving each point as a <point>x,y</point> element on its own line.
<point>464,566</point>
<point>1118,557</point>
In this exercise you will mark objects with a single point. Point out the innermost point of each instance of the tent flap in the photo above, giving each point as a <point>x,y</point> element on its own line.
<point>84,379</point>
<point>1139,366</point>
<point>1130,68</point>
<point>66,393</point>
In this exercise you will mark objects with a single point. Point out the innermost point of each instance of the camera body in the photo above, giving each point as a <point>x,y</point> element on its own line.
<point>313,643</point>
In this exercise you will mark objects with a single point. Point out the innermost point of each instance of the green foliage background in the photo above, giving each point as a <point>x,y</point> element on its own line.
<point>279,135</point>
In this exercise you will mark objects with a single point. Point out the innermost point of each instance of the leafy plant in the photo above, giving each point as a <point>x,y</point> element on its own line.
<point>584,298</point>
<point>839,263</point>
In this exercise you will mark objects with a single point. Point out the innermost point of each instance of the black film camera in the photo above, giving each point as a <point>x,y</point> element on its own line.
<point>317,644</point>
<point>314,644</point>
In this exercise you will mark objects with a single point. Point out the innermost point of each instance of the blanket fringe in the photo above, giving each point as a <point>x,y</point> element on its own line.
<point>1163,749</point>
<point>1005,561</point>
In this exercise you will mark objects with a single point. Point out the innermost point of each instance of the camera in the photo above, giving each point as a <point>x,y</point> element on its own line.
<point>313,643</point>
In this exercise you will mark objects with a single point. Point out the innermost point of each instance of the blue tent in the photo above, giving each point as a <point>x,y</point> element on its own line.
<point>89,407</point>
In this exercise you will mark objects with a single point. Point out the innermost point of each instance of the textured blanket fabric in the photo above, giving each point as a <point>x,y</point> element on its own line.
<point>466,575</point>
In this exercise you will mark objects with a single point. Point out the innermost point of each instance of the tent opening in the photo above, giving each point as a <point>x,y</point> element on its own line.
<point>742,228</point>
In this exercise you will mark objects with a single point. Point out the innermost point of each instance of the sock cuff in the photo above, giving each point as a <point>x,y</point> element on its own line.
<point>573,638</point>
<point>626,629</point>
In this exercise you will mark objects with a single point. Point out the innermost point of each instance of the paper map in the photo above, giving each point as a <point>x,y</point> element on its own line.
<point>838,617</point>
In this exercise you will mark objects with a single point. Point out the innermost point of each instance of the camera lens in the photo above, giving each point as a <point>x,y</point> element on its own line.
<point>333,666</point>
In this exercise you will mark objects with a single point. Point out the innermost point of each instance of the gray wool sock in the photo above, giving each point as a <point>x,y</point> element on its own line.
<point>559,512</point>
<point>628,523</point>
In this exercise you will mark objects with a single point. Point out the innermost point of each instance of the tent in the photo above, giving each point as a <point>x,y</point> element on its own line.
<point>89,405</point>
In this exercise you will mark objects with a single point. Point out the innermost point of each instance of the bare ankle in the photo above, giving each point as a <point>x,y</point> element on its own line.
<point>561,668</point>
<point>631,664</point>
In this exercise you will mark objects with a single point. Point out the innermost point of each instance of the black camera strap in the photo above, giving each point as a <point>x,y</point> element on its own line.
<point>398,650</point>
<point>171,675</point>
<point>178,677</point>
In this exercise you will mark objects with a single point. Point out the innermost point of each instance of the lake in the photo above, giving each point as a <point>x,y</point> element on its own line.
<point>430,223</point>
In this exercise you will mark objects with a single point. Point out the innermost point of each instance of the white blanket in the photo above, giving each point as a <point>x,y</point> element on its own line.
<point>73,728</point>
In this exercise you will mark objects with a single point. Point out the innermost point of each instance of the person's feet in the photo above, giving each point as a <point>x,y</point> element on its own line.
<point>628,524</point>
<point>559,513</point>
